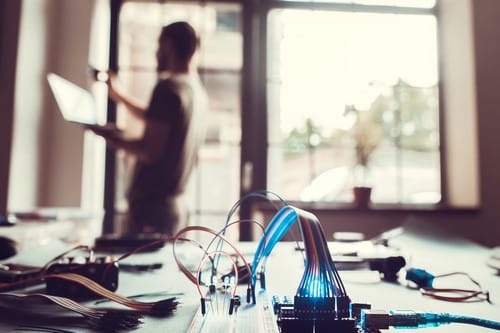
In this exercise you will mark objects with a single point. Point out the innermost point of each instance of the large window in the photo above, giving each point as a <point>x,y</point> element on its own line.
<point>353,100</point>
<point>308,98</point>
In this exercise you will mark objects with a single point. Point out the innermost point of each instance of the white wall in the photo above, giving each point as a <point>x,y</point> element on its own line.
<point>459,96</point>
<point>28,141</point>
<point>47,157</point>
<point>486,15</point>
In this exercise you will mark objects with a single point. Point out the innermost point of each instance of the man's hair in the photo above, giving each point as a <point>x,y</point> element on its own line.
<point>183,38</point>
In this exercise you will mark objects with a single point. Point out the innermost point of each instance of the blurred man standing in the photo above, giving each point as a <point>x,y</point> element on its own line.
<point>174,128</point>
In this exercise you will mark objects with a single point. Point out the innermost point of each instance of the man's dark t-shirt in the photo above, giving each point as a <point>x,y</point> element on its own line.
<point>180,102</point>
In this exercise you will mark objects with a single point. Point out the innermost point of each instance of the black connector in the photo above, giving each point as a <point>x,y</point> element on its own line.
<point>203,307</point>
<point>388,267</point>
<point>249,294</point>
<point>140,267</point>
<point>356,309</point>
<point>262,278</point>
<point>315,308</point>
<point>231,306</point>
<point>307,315</point>
<point>103,271</point>
<point>211,289</point>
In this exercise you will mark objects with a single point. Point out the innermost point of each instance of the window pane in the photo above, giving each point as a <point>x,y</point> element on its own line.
<point>215,183</point>
<point>353,99</point>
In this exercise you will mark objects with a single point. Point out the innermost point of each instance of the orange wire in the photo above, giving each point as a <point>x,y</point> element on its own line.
<point>207,255</point>
<point>183,268</point>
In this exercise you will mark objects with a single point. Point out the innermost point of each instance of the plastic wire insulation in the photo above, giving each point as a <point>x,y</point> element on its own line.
<point>413,319</point>
<point>320,293</point>
<point>78,247</point>
<point>320,279</point>
<point>425,282</point>
<point>259,194</point>
<point>108,320</point>
<point>98,289</point>
<point>456,295</point>
<point>223,231</point>
<point>474,321</point>
<point>183,268</point>
<point>145,246</point>
<point>209,255</point>
<point>277,228</point>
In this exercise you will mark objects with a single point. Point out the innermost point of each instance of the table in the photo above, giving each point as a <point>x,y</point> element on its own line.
<point>427,248</point>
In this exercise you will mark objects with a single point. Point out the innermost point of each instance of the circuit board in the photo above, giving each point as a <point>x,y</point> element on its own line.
<point>248,318</point>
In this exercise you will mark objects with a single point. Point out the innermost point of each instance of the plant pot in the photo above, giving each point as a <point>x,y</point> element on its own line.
<point>362,196</point>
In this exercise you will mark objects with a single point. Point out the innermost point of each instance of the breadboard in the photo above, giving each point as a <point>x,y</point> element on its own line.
<point>249,318</point>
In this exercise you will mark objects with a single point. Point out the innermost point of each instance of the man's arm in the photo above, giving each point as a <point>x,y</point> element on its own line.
<point>136,107</point>
<point>148,148</point>
<point>164,105</point>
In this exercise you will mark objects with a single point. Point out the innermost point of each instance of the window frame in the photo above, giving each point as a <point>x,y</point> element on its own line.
<point>261,157</point>
<point>254,109</point>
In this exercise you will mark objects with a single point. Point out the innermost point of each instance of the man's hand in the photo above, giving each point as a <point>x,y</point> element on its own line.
<point>113,88</point>
<point>113,137</point>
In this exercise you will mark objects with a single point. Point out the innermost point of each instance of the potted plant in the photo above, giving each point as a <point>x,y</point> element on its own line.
<point>367,134</point>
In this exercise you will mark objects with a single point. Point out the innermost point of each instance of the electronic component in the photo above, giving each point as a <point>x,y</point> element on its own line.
<point>321,303</point>
<point>298,318</point>
<point>147,242</point>
<point>140,267</point>
<point>387,267</point>
<point>102,270</point>
<point>251,317</point>
<point>379,319</point>
<point>420,277</point>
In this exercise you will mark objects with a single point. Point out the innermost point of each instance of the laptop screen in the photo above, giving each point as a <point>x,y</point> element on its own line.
<point>75,103</point>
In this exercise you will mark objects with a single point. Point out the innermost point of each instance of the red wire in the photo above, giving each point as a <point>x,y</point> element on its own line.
<point>207,255</point>
<point>468,294</point>
<point>462,295</point>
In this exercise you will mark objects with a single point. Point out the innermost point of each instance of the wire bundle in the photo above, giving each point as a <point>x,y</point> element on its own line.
<point>106,320</point>
<point>238,274</point>
<point>159,308</point>
<point>321,292</point>
<point>277,228</point>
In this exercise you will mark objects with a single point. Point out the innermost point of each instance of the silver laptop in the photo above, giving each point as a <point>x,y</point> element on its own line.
<point>77,104</point>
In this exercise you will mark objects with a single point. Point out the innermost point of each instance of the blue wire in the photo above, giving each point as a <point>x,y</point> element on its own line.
<point>277,228</point>
<point>260,194</point>
<point>474,321</point>
<point>412,319</point>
